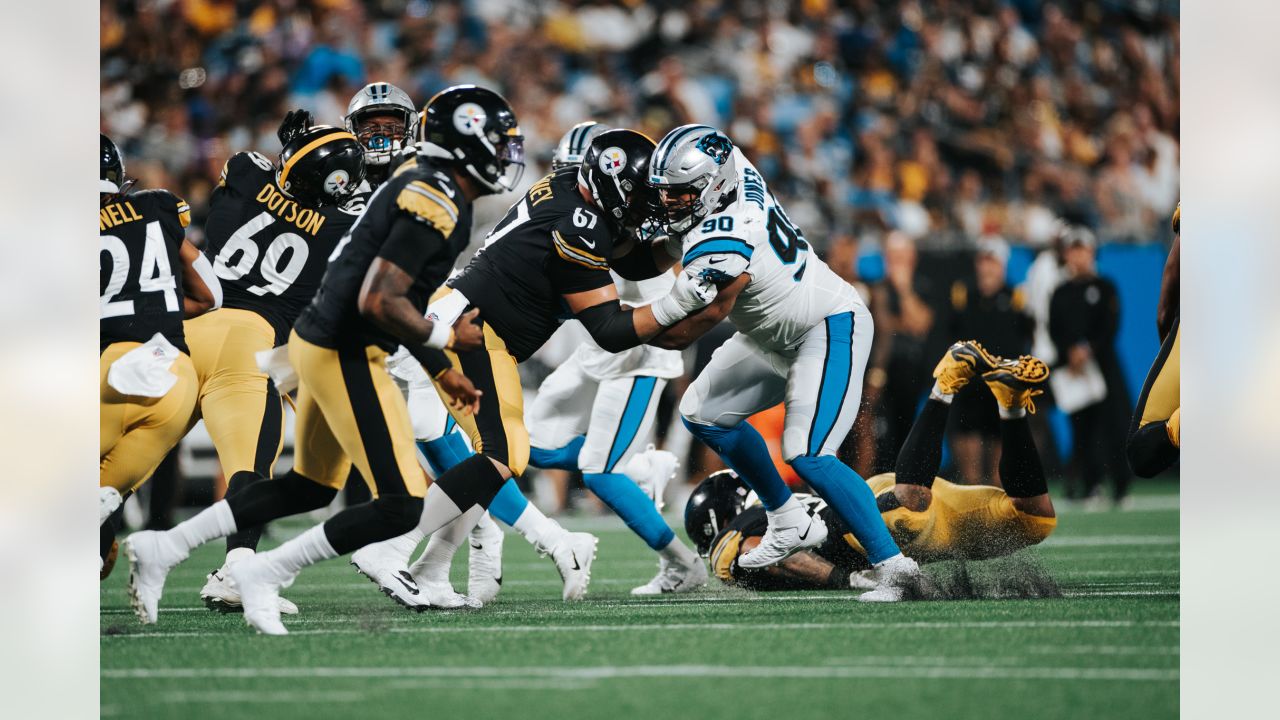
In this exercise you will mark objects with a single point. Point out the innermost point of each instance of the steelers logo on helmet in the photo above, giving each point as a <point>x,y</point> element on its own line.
<point>336,183</point>
<point>612,161</point>
<point>469,119</point>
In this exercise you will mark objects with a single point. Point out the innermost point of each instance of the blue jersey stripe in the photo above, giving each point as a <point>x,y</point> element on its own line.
<point>711,246</point>
<point>632,419</point>
<point>834,386</point>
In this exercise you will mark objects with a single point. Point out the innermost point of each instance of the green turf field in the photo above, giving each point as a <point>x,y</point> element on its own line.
<point>1107,648</point>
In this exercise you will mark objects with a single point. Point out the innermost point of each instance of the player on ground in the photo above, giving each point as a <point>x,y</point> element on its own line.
<point>271,230</point>
<point>349,410</point>
<point>150,278</point>
<point>549,257</point>
<point>1155,434</point>
<point>932,518</point>
<point>803,338</point>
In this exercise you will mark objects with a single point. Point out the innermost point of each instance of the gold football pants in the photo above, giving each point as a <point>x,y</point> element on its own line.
<point>240,405</point>
<point>134,432</point>
<point>1161,394</point>
<point>351,412</point>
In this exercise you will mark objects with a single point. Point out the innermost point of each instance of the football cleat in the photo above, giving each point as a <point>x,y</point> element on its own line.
<point>220,593</point>
<point>259,582</point>
<point>790,531</point>
<point>1173,427</point>
<point>440,595</point>
<point>652,470</point>
<point>573,554</point>
<point>109,500</point>
<point>961,363</point>
<point>484,571</point>
<point>151,556</point>
<point>862,580</point>
<point>674,578</point>
<point>390,572</point>
<point>891,578</point>
<point>1014,382</point>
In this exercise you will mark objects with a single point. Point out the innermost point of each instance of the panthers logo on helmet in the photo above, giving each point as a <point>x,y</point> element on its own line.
<point>337,182</point>
<point>612,161</point>
<point>469,118</point>
<point>717,146</point>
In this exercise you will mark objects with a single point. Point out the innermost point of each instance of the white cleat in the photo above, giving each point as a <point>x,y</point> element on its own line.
<point>390,572</point>
<point>652,470</point>
<point>220,593</point>
<point>790,531</point>
<point>440,595</point>
<point>573,555</point>
<point>674,578</point>
<point>151,556</point>
<point>109,501</point>
<point>861,580</point>
<point>891,578</point>
<point>260,583</point>
<point>484,572</point>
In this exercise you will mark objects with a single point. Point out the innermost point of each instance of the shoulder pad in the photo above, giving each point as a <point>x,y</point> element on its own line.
<point>243,164</point>
<point>166,202</point>
<point>431,202</point>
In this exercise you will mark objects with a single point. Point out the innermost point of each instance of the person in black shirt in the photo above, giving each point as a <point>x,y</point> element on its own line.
<point>991,312</point>
<point>1084,316</point>
<point>372,298</point>
<point>150,278</point>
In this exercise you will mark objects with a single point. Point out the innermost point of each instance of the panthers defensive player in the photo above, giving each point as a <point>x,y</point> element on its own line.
<point>549,257</point>
<point>372,298</point>
<point>381,116</point>
<point>803,338</point>
<point>150,278</point>
<point>932,518</point>
<point>271,229</point>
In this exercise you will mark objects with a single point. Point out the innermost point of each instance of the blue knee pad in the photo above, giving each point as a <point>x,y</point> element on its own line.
<point>630,503</point>
<point>565,458</point>
<point>852,499</point>
<point>509,504</point>
<point>444,452</point>
<point>742,449</point>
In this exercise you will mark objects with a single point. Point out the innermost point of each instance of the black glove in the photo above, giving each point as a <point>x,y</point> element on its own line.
<point>295,123</point>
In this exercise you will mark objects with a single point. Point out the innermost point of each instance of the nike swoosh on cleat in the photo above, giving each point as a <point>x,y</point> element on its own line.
<point>412,588</point>
<point>499,580</point>
<point>476,546</point>
<point>576,566</point>
<point>805,535</point>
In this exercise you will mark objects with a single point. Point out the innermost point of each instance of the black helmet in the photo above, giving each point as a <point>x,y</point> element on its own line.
<point>111,176</point>
<point>322,165</point>
<point>615,170</point>
<point>476,130</point>
<point>715,502</point>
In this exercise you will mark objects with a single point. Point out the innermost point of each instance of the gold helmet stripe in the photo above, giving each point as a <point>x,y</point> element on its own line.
<point>294,158</point>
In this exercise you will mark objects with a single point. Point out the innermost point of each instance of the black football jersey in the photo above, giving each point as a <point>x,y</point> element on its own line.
<point>422,191</point>
<point>140,267</point>
<point>550,243</point>
<point>269,251</point>
<point>752,522</point>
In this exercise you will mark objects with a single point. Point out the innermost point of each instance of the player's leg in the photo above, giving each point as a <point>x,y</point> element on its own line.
<point>824,391</point>
<point>436,432</point>
<point>1155,433</point>
<point>621,421</point>
<point>741,380</point>
<point>1013,384</point>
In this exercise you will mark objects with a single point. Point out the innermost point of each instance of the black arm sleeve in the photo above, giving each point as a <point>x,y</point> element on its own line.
<point>637,264</point>
<point>410,243</point>
<point>435,361</point>
<point>610,326</point>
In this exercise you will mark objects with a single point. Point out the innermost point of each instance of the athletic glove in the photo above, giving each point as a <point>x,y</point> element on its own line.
<point>690,294</point>
<point>295,123</point>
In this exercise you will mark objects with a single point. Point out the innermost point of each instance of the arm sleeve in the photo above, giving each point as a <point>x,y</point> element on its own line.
<point>637,264</point>
<point>610,326</point>
<point>409,244</point>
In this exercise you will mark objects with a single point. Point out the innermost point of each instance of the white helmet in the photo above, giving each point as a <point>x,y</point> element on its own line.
<point>379,98</point>
<point>693,160</point>
<point>574,143</point>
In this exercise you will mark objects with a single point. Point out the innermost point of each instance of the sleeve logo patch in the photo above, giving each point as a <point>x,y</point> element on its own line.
<point>612,161</point>
<point>469,119</point>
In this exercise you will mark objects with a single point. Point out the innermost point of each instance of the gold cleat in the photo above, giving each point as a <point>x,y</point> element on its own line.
<point>961,363</point>
<point>1014,382</point>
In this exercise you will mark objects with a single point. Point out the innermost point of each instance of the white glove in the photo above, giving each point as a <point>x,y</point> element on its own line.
<point>687,296</point>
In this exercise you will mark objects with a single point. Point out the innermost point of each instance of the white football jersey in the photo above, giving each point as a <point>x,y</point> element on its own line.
<point>790,290</point>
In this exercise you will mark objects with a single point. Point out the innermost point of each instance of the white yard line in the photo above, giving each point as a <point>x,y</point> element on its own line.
<point>1105,540</point>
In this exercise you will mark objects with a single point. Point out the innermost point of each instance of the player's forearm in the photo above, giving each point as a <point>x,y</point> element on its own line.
<point>686,332</point>
<point>1167,308</point>
<point>398,316</point>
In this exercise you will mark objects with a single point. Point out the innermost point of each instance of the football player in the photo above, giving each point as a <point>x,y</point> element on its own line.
<point>803,338</point>
<point>1155,434</point>
<point>150,278</point>
<point>932,518</point>
<point>381,117</point>
<point>548,257</point>
<point>349,410</point>
<point>271,229</point>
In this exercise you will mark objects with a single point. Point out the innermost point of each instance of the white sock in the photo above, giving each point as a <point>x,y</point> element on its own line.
<point>404,545</point>
<point>307,549</point>
<point>211,523</point>
<point>678,553</point>
<point>888,560</point>
<point>433,565</point>
<point>1011,413</point>
<point>937,394</point>
<point>791,505</point>
<point>540,530</point>
<point>235,555</point>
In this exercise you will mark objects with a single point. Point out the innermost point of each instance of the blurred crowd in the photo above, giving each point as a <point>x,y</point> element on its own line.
<point>899,127</point>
